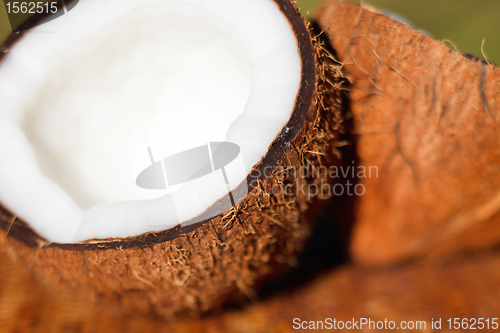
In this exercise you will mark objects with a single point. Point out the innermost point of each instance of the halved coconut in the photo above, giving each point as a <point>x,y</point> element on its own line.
<point>147,146</point>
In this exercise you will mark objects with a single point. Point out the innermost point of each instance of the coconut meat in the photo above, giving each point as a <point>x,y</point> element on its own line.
<point>82,97</point>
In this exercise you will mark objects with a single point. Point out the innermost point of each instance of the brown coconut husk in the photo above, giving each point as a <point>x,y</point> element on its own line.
<point>427,117</point>
<point>464,287</point>
<point>203,266</point>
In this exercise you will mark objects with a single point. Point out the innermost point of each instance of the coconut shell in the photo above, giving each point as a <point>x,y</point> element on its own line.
<point>222,260</point>
<point>427,118</point>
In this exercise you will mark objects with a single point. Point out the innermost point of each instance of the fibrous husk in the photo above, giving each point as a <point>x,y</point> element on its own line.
<point>201,267</point>
<point>464,288</point>
<point>427,118</point>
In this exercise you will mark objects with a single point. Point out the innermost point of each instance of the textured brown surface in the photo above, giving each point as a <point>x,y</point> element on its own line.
<point>462,288</point>
<point>201,267</point>
<point>427,117</point>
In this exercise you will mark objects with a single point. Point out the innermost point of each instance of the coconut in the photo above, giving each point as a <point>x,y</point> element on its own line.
<point>425,118</point>
<point>213,106</point>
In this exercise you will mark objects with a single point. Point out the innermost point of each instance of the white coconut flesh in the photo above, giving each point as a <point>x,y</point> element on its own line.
<point>82,98</point>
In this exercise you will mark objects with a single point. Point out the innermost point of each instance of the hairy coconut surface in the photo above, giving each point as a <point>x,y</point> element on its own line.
<point>460,288</point>
<point>427,118</point>
<point>203,266</point>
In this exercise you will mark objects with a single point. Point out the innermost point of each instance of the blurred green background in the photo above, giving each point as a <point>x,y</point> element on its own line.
<point>463,22</point>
